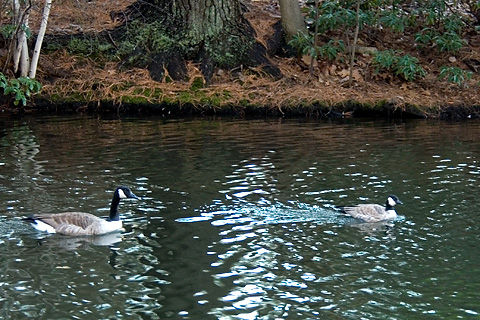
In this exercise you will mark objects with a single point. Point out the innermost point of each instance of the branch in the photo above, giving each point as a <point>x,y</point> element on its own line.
<point>354,46</point>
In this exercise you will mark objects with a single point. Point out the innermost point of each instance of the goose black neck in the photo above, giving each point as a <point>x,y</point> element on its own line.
<point>388,206</point>
<point>114,215</point>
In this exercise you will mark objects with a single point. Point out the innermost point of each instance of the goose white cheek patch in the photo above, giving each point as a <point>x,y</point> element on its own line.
<point>121,194</point>
<point>391,202</point>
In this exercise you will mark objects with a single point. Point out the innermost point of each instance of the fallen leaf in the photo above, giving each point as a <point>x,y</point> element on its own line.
<point>357,76</point>
<point>307,59</point>
<point>343,73</point>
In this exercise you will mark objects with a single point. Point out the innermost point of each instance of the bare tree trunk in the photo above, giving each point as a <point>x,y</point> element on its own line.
<point>292,18</point>
<point>21,57</point>
<point>17,39</point>
<point>38,43</point>
<point>24,57</point>
<point>211,32</point>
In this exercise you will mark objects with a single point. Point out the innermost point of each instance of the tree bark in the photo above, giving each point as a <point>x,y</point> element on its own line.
<point>292,18</point>
<point>24,57</point>
<point>213,33</point>
<point>18,49</point>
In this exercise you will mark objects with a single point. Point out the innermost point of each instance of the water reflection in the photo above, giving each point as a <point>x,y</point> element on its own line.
<point>237,219</point>
<point>83,242</point>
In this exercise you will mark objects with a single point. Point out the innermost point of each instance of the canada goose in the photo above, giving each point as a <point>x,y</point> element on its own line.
<point>373,212</point>
<point>81,223</point>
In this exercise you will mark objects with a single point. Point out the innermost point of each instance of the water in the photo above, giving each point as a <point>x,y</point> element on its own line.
<point>237,219</point>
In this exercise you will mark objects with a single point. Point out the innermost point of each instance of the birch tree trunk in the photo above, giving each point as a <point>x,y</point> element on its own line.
<point>17,39</point>
<point>24,56</point>
<point>21,59</point>
<point>38,43</point>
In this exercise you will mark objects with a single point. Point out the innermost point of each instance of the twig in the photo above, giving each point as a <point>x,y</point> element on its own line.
<point>354,46</point>
<point>315,39</point>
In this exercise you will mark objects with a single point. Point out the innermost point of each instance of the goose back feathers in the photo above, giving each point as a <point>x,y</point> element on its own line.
<point>81,223</point>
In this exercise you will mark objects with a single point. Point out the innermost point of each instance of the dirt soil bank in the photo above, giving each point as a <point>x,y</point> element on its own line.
<point>83,84</point>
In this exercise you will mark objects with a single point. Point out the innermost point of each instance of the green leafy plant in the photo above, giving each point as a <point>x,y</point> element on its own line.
<point>405,66</point>
<point>431,16</point>
<point>20,88</point>
<point>329,17</point>
<point>454,75</point>
<point>441,24</point>
<point>449,41</point>
<point>334,15</point>
<point>303,42</point>
<point>87,47</point>
<point>394,20</point>
<point>331,49</point>
<point>26,29</point>
<point>453,23</point>
<point>425,37</point>
<point>384,60</point>
<point>7,30</point>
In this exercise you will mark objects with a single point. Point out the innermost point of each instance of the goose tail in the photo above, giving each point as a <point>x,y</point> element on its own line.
<point>39,224</point>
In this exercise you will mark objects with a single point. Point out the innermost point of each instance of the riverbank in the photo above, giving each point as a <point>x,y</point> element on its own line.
<point>83,83</point>
<point>347,109</point>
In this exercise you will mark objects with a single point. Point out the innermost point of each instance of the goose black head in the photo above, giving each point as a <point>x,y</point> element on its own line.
<point>392,200</point>
<point>125,193</point>
<point>119,194</point>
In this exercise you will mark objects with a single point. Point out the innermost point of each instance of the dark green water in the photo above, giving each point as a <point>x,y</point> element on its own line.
<point>237,219</point>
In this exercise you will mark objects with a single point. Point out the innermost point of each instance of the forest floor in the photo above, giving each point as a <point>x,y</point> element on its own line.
<point>83,80</point>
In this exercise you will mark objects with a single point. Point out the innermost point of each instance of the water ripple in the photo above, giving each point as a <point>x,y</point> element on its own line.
<point>237,219</point>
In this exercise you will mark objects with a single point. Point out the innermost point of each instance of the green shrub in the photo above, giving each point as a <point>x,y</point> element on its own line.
<point>449,41</point>
<point>331,49</point>
<point>394,21</point>
<point>384,60</point>
<point>7,30</point>
<point>87,47</point>
<point>425,37</point>
<point>304,44</point>
<point>405,66</point>
<point>454,74</point>
<point>20,88</point>
<point>441,23</point>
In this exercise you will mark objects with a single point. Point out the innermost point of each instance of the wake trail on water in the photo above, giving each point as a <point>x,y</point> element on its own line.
<point>270,214</point>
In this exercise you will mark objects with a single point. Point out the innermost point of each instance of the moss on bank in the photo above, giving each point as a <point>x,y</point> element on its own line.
<point>197,103</point>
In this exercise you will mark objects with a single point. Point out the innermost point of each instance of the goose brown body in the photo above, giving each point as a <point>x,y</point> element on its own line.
<point>373,212</point>
<point>77,223</point>
<point>82,223</point>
